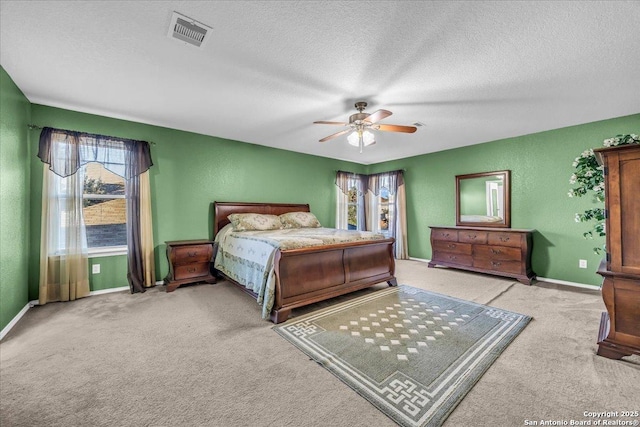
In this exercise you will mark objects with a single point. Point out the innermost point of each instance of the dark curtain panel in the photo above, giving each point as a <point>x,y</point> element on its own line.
<point>137,155</point>
<point>135,273</point>
<point>127,158</point>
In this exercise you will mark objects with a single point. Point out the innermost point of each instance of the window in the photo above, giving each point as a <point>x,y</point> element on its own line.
<point>104,209</point>
<point>76,185</point>
<point>386,203</point>
<point>350,213</point>
<point>352,209</point>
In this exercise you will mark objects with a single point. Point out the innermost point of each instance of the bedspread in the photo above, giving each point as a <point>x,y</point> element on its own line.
<point>247,257</point>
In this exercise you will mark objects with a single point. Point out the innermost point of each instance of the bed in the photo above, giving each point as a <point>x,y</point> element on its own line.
<point>303,276</point>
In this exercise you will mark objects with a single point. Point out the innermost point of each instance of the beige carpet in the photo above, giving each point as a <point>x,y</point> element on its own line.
<point>201,356</point>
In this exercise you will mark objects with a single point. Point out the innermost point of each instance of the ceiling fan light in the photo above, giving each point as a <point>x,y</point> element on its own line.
<point>368,138</point>
<point>354,139</point>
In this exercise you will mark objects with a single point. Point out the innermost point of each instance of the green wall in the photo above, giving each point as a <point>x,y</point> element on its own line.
<point>190,172</point>
<point>14,202</point>
<point>540,167</point>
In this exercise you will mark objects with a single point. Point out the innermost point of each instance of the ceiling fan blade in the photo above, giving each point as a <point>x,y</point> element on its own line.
<point>377,116</point>
<point>322,122</point>
<point>396,128</point>
<point>342,132</point>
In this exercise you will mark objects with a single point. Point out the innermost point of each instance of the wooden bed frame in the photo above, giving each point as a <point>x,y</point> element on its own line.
<point>308,275</point>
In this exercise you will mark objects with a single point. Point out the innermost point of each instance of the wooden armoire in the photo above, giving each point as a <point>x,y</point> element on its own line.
<point>620,325</point>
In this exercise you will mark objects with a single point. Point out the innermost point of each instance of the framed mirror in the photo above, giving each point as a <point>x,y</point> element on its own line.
<point>484,199</point>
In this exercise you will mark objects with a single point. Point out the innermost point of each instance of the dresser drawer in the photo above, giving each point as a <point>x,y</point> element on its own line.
<point>451,258</point>
<point>497,253</point>
<point>452,247</point>
<point>505,239</point>
<point>501,266</point>
<point>472,236</point>
<point>193,253</point>
<point>444,234</point>
<point>188,271</point>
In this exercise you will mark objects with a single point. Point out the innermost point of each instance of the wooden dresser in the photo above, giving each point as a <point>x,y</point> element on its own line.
<point>620,325</point>
<point>502,252</point>
<point>189,262</point>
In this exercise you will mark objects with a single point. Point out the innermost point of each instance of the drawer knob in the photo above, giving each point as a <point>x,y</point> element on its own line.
<point>192,254</point>
<point>495,263</point>
<point>504,239</point>
<point>191,270</point>
<point>453,258</point>
<point>496,251</point>
<point>445,234</point>
<point>451,246</point>
<point>472,236</point>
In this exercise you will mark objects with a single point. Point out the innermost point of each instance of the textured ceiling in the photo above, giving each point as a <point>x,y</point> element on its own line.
<point>470,71</point>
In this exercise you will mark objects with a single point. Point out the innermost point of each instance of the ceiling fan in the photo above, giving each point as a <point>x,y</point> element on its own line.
<point>361,124</point>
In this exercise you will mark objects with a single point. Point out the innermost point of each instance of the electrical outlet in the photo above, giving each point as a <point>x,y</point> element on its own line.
<point>582,263</point>
<point>95,269</point>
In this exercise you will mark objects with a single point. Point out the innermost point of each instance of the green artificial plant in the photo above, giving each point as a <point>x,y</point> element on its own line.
<point>589,178</point>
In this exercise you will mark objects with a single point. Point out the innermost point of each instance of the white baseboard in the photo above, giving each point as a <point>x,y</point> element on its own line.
<point>542,279</point>
<point>566,283</point>
<point>108,291</point>
<point>14,321</point>
<point>35,302</point>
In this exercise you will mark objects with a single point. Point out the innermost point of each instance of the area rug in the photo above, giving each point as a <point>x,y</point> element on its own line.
<point>413,354</point>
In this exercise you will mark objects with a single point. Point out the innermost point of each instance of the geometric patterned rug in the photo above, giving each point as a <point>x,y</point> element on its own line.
<point>411,353</point>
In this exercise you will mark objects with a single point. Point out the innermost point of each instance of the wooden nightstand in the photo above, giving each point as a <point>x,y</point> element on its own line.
<point>189,262</point>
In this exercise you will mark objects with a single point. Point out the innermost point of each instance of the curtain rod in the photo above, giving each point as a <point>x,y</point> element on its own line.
<point>33,127</point>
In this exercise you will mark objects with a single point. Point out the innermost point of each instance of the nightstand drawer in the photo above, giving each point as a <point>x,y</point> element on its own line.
<point>188,271</point>
<point>193,253</point>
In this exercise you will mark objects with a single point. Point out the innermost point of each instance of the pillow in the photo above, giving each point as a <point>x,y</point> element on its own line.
<point>299,220</point>
<point>254,221</point>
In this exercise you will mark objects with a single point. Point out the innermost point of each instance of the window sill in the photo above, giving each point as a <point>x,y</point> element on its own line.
<point>109,251</point>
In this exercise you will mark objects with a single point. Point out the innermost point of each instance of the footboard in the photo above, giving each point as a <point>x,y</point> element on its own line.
<point>309,275</point>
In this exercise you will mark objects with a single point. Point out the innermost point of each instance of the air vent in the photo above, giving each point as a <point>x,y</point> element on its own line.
<point>188,30</point>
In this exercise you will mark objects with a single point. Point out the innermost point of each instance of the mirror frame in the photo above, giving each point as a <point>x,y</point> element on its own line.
<point>506,176</point>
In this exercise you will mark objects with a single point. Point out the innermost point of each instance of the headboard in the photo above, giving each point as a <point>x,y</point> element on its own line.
<point>223,209</point>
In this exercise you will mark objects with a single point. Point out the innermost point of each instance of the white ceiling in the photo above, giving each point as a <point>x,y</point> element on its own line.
<point>470,71</point>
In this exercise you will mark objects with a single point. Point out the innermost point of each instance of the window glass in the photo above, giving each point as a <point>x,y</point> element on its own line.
<point>352,220</point>
<point>385,210</point>
<point>104,207</point>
